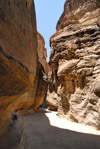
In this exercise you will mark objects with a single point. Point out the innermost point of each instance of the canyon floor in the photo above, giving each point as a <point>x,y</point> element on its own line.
<point>44,130</point>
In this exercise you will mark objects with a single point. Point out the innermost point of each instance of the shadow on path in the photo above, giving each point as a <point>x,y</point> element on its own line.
<point>35,132</point>
<point>39,134</point>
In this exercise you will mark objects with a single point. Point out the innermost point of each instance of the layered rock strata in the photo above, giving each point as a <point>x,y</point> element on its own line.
<point>22,77</point>
<point>74,78</point>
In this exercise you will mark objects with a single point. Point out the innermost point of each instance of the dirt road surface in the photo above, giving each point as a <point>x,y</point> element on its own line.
<point>40,133</point>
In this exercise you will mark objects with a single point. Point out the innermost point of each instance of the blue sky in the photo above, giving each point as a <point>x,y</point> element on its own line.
<point>48,13</point>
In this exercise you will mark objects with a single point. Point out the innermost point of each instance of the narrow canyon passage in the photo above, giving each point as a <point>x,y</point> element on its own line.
<point>39,134</point>
<point>69,82</point>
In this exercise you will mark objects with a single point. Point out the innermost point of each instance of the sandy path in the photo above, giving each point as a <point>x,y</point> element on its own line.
<point>39,134</point>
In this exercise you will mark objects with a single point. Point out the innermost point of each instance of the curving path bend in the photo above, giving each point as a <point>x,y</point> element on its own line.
<point>39,134</point>
<point>44,130</point>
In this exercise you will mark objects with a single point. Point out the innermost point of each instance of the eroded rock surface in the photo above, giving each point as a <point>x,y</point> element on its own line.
<point>42,52</point>
<point>75,63</point>
<point>22,78</point>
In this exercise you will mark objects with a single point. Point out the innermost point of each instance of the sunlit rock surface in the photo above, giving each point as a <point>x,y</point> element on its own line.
<point>22,78</point>
<point>74,78</point>
<point>42,52</point>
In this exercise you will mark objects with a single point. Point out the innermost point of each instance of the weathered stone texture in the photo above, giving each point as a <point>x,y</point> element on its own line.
<point>22,77</point>
<point>42,52</point>
<point>75,62</point>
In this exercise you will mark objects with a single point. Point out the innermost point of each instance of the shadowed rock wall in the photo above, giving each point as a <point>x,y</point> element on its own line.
<point>74,78</point>
<point>22,78</point>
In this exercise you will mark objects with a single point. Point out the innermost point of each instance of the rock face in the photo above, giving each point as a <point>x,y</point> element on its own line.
<point>74,78</point>
<point>22,77</point>
<point>42,55</point>
<point>42,52</point>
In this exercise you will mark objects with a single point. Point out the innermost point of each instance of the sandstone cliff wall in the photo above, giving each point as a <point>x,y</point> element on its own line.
<point>74,78</point>
<point>22,77</point>
<point>42,52</point>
